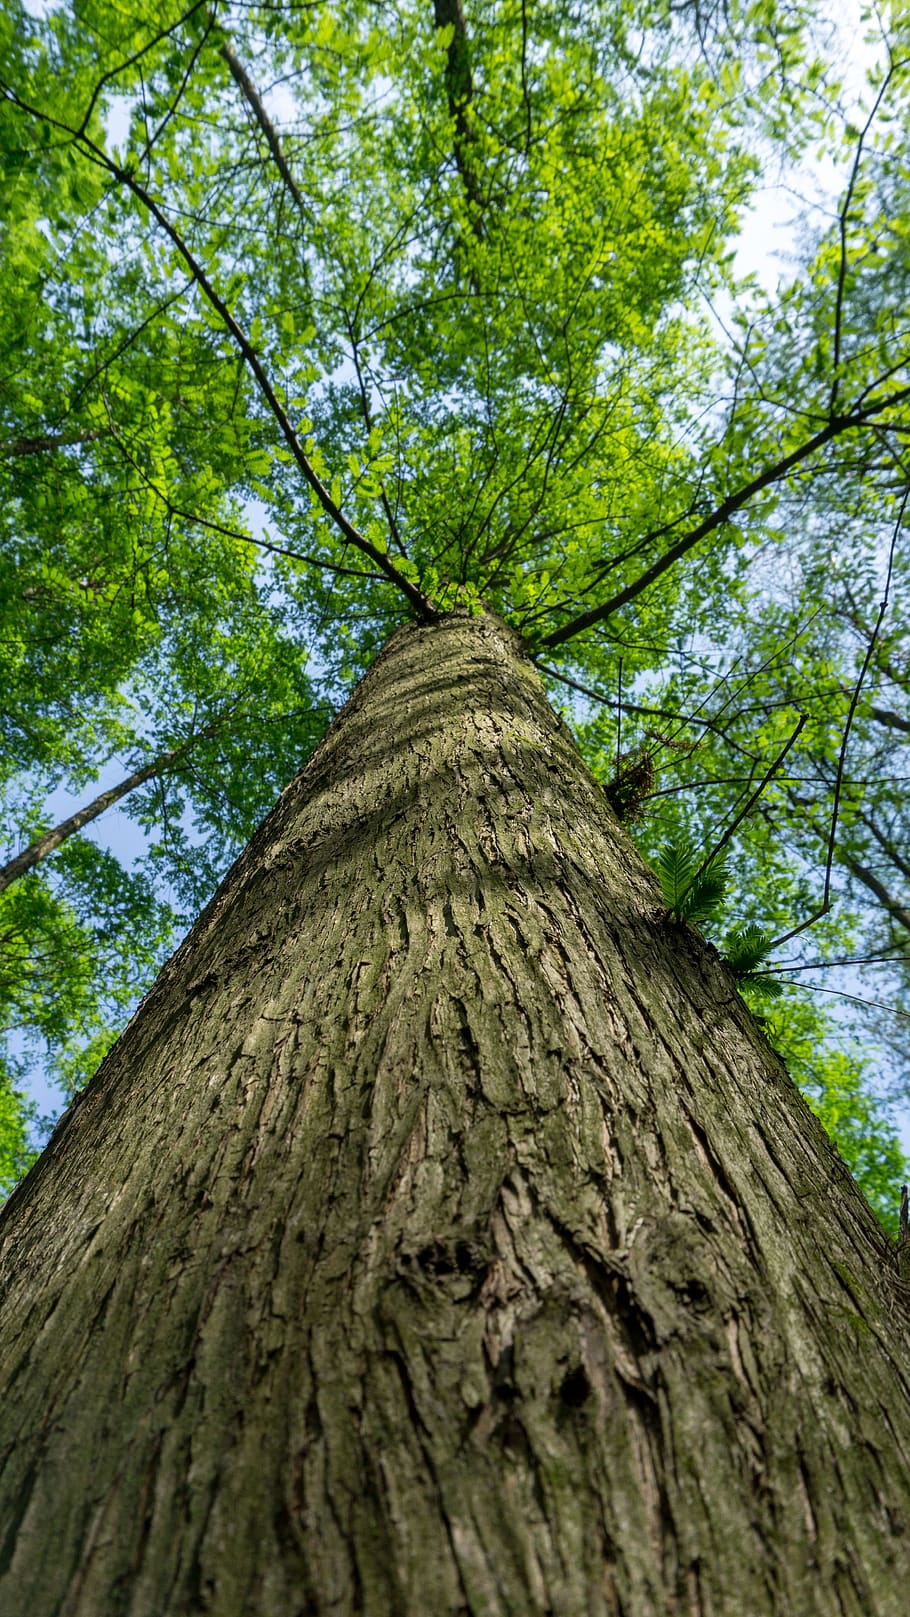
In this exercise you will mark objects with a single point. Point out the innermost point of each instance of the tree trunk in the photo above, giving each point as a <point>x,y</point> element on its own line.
<point>442,1236</point>
<point>47,842</point>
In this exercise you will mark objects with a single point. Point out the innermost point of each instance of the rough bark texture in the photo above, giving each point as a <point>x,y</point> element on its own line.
<point>442,1236</point>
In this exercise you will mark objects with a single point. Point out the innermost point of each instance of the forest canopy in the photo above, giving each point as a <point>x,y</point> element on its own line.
<point>321,317</point>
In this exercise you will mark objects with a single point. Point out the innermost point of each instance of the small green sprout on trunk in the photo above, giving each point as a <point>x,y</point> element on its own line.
<point>744,950</point>
<point>694,889</point>
<point>692,886</point>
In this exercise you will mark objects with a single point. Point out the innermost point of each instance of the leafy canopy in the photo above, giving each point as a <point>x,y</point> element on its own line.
<point>320,317</point>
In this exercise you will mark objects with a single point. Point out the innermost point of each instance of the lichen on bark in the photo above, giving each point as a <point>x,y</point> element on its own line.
<point>442,1235</point>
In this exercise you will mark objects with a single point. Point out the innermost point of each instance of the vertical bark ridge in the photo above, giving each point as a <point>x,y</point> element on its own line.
<point>442,1235</point>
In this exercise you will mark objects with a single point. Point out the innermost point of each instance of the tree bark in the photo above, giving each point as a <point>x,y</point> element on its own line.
<point>443,1237</point>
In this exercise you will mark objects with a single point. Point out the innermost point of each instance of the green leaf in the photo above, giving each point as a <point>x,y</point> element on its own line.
<point>691,893</point>
<point>744,948</point>
<point>675,868</point>
<point>760,983</point>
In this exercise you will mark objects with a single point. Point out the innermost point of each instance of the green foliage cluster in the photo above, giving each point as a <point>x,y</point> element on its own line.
<point>836,1082</point>
<point>693,885</point>
<point>744,952</point>
<point>16,1150</point>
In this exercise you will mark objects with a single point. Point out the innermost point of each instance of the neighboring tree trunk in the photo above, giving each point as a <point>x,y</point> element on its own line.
<point>442,1236</point>
<point>42,846</point>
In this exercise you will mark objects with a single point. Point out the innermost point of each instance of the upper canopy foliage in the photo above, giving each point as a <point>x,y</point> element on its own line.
<point>318,315</point>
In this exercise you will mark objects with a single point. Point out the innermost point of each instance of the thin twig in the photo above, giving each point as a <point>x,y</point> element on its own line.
<point>848,960</point>
<point>222,527</point>
<point>422,606</point>
<point>840,993</point>
<point>883,607</point>
<point>131,61</point>
<point>832,834</point>
<point>746,810</point>
<point>734,502</point>
<point>843,215</point>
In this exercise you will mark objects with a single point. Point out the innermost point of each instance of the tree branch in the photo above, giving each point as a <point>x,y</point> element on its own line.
<point>873,638</point>
<point>748,807</point>
<point>422,606</point>
<point>886,845</point>
<point>890,719</point>
<point>847,859</point>
<point>222,527</point>
<point>130,61</point>
<point>898,911</point>
<point>842,218</point>
<point>45,443</point>
<point>257,107</point>
<point>728,508</point>
<point>460,91</point>
<point>41,846</point>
